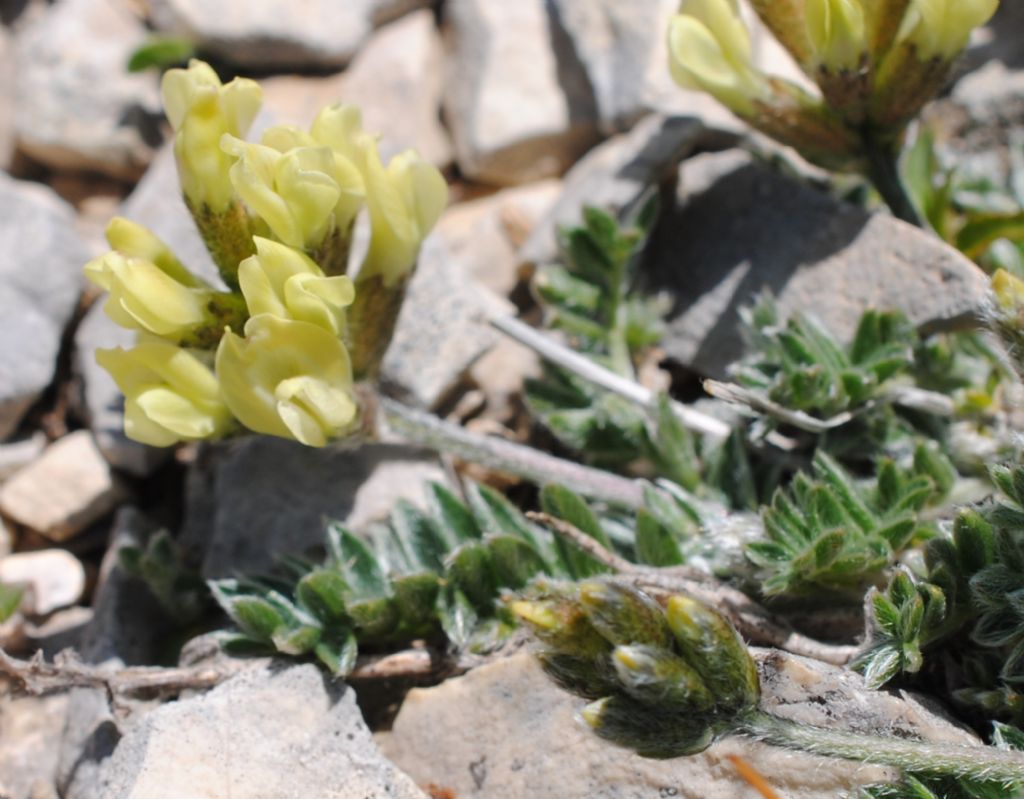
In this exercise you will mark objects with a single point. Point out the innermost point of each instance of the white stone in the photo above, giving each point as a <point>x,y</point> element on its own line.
<point>63,492</point>
<point>518,102</point>
<point>7,90</point>
<point>278,34</point>
<point>78,107</point>
<point>41,259</point>
<point>504,731</point>
<point>15,455</point>
<point>269,732</point>
<point>54,578</point>
<point>29,727</point>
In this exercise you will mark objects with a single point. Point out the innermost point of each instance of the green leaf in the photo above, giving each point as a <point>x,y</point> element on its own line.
<point>322,593</point>
<point>468,568</point>
<point>10,600</point>
<point>515,561</point>
<point>338,653</point>
<point>161,52</point>
<point>358,564</point>
<point>419,535</point>
<point>458,616</point>
<point>255,616</point>
<point>564,504</point>
<point>674,448</point>
<point>374,618</point>
<point>982,230</point>
<point>296,641</point>
<point>453,515</point>
<point>495,514</point>
<point>415,596</point>
<point>655,545</point>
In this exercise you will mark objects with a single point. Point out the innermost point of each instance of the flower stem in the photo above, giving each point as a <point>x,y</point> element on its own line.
<point>884,173</point>
<point>919,757</point>
<point>418,427</point>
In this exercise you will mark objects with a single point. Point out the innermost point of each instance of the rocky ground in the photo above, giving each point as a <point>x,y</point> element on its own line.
<point>532,108</point>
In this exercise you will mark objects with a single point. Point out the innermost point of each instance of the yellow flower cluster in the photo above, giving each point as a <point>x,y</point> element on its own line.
<point>271,353</point>
<point>876,63</point>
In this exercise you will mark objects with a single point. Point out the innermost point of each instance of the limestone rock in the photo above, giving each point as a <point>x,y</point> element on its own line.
<point>15,455</point>
<point>441,330</point>
<point>78,107</point>
<point>614,175</point>
<point>514,734</point>
<point>518,100</point>
<point>396,80</point>
<point>740,229</point>
<point>484,235</point>
<point>28,758</point>
<point>53,578</point>
<point>278,34</point>
<point>269,731</point>
<point>67,489</point>
<point>41,259</point>
<point>254,499</point>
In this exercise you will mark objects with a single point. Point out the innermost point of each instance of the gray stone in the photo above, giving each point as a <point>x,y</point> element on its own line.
<point>67,489</point>
<point>614,175</point>
<point>278,34</point>
<point>255,499</point>
<point>442,329</point>
<point>268,732</point>
<point>517,98</point>
<point>41,259</point>
<point>505,731</point>
<point>16,455</point>
<point>396,80</point>
<point>28,758</point>
<point>78,107</point>
<point>740,229</point>
<point>127,628</point>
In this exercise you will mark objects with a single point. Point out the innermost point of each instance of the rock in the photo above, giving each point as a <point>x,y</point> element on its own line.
<point>441,330</point>
<point>127,628</point>
<point>7,91</point>
<point>67,489</point>
<point>78,107</point>
<point>397,81</point>
<point>28,758</point>
<point>500,374</point>
<point>270,731</point>
<point>740,229</point>
<point>103,403</point>
<point>484,235</point>
<point>517,99</point>
<point>63,630</point>
<point>276,34</point>
<point>617,173</point>
<point>255,499</point>
<point>41,260</point>
<point>514,734</point>
<point>53,578</point>
<point>15,455</point>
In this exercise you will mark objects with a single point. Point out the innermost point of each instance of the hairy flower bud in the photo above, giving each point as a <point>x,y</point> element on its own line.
<point>624,615</point>
<point>650,732</point>
<point>656,676</point>
<point>287,378</point>
<point>170,394</point>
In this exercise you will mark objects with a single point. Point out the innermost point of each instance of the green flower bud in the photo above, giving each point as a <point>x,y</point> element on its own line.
<point>648,731</point>
<point>715,650</point>
<point>625,615</point>
<point>589,677</point>
<point>561,624</point>
<point>658,677</point>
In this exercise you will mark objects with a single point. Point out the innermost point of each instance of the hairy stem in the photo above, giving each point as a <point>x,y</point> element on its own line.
<point>884,173</point>
<point>976,762</point>
<point>418,427</point>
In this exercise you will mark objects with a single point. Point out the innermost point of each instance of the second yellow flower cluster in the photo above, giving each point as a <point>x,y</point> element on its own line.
<point>274,352</point>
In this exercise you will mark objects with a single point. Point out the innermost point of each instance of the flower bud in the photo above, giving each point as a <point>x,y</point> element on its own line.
<point>709,49</point>
<point>710,644</point>
<point>658,677</point>
<point>301,193</point>
<point>939,29</point>
<point>287,378</point>
<point>650,732</point>
<point>1007,313</point>
<point>170,394</point>
<point>560,623</point>
<point>201,110</point>
<point>624,615</point>
<point>144,297</point>
<point>837,33</point>
<point>589,677</point>
<point>283,282</point>
<point>404,201</point>
<point>136,241</point>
